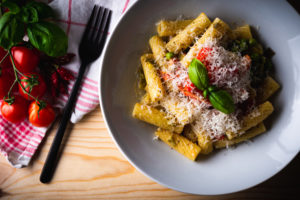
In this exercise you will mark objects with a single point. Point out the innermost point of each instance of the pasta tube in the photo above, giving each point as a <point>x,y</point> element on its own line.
<point>179,110</point>
<point>260,128</point>
<point>146,99</point>
<point>170,28</point>
<point>179,143</point>
<point>186,37</point>
<point>155,117</point>
<point>205,143</point>
<point>158,48</point>
<point>255,117</point>
<point>154,85</point>
<point>190,134</point>
<point>268,88</point>
<point>242,32</point>
<point>216,30</point>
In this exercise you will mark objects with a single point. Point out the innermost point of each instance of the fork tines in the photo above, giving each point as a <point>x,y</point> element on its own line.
<point>99,20</point>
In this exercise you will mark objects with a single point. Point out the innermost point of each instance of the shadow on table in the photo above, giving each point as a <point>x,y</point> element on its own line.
<point>2,194</point>
<point>53,130</point>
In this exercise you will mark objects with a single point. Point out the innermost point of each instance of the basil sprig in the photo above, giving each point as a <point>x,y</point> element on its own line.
<point>222,101</point>
<point>198,74</point>
<point>11,30</point>
<point>219,99</point>
<point>43,35</point>
<point>48,37</point>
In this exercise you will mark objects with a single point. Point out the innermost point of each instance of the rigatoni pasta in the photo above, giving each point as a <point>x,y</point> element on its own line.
<point>260,128</point>
<point>185,37</point>
<point>267,89</point>
<point>158,48</point>
<point>179,143</point>
<point>242,32</point>
<point>257,115</point>
<point>217,30</point>
<point>156,117</point>
<point>154,84</point>
<point>167,28</point>
<point>207,85</point>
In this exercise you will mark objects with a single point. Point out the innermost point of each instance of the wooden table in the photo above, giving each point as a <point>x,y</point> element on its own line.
<point>92,167</point>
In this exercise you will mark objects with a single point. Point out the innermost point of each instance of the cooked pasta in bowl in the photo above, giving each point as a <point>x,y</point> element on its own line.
<point>210,95</point>
<point>204,78</point>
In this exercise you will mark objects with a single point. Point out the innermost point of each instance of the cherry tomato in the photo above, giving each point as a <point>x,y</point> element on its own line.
<point>34,84</point>
<point>41,117</point>
<point>26,60</point>
<point>6,62</point>
<point>16,111</point>
<point>203,53</point>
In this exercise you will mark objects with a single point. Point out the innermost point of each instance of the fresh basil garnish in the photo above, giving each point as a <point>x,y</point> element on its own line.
<point>222,101</point>
<point>11,30</point>
<point>44,11</point>
<point>48,37</point>
<point>29,15</point>
<point>43,35</point>
<point>198,74</point>
<point>219,99</point>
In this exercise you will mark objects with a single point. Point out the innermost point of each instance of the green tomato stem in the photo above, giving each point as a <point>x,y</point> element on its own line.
<point>4,58</point>
<point>17,79</point>
<point>15,68</point>
<point>11,87</point>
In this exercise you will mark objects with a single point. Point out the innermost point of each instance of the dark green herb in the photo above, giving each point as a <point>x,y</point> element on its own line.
<point>44,11</point>
<point>43,35</point>
<point>260,59</point>
<point>48,38</point>
<point>11,30</point>
<point>242,46</point>
<point>252,42</point>
<point>198,74</point>
<point>220,99</point>
<point>260,68</point>
<point>29,15</point>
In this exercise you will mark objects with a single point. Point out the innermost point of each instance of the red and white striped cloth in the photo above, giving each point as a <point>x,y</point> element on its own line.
<point>18,142</point>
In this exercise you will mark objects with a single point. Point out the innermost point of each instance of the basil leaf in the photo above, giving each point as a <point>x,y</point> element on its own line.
<point>29,15</point>
<point>11,30</point>
<point>205,93</point>
<point>198,74</point>
<point>12,6</point>
<point>43,10</point>
<point>222,101</point>
<point>212,88</point>
<point>48,38</point>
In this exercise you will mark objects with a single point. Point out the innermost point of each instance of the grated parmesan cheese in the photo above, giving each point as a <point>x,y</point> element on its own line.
<point>227,70</point>
<point>215,123</point>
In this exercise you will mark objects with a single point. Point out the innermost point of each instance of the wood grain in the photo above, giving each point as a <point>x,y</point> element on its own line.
<point>91,167</point>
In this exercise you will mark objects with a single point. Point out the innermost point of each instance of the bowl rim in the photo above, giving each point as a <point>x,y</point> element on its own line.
<point>109,125</point>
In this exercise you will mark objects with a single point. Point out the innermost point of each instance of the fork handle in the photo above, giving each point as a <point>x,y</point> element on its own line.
<point>51,161</point>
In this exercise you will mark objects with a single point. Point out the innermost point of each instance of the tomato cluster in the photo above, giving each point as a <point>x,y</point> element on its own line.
<point>18,103</point>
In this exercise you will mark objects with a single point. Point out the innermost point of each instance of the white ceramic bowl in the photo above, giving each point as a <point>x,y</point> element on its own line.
<point>224,171</point>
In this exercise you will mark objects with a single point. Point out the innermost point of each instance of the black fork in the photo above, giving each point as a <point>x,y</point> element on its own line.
<point>90,49</point>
